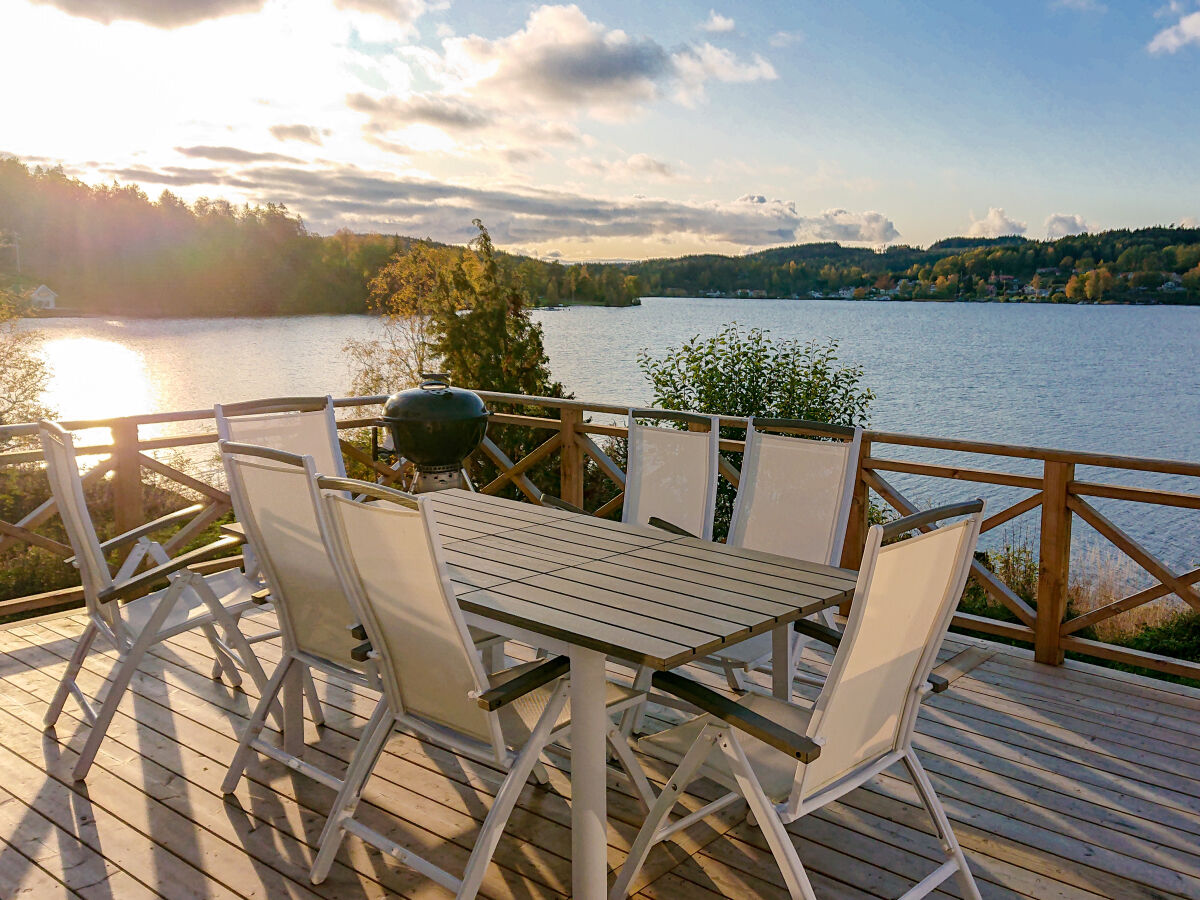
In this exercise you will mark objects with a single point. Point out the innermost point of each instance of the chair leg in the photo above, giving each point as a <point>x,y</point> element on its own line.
<point>506,797</point>
<point>942,823</point>
<point>222,663</point>
<point>633,769</point>
<point>362,764</point>
<point>255,726</point>
<point>735,677</point>
<point>315,710</point>
<point>778,839</point>
<point>73,666</point>
<point>645,841</point>
<point>493,657</point>
<point>631,719</point>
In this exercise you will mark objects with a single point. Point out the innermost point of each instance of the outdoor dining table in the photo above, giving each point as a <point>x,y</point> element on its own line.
<point>593,590</point>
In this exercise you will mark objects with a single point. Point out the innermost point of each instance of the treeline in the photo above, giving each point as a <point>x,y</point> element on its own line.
<point>111,249</point>
<point>1158,264</point>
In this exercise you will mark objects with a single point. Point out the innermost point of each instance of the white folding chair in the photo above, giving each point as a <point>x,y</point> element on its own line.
<point>304,426</point>
<point>793,500</point>
<point>190,601</point>
<point>434,684</point>
<point>274,496</point>
<point>671,474</point>
<point>788,760</point>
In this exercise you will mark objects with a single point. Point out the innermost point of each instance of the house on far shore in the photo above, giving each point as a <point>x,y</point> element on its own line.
<point>42,298</point>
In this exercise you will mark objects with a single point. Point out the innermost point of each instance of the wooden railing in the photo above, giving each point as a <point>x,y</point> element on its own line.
<point>574,436</point>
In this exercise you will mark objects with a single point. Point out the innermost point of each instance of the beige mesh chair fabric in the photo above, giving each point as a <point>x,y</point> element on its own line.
<point>434,683</point>
<point>671,473</point>
<point>273,501</point>
<point>190,601</point>
<point>793,499</point>
<point>788,760</point>
<point>304,426</point>
<point>794,494</point>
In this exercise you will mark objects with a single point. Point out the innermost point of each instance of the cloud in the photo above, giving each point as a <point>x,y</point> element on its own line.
<point>346,196</point>
<point>995,224</point>
<point>1061,225</point>
<point>233,155</point>
<point>636,167</point>
<point>785,38</point>
<point>1190,222</point>
<point>1185,31</point>
<point>716,23</point>
<point>307,133</point>
<point>561,58</point>
<point>403,12</point>
<point>159,13</point>
<point>450,114</point>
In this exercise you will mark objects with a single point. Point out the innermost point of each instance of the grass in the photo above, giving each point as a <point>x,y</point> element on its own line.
<point>1100,575</point>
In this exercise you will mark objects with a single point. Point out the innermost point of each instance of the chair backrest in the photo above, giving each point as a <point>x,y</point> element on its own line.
<point>903,603</point>
<point>391,567</point>
<point>794,493</point>
<point>304,426</point>
<point>62,469</point>
<point>672,473</point>
<point>274,499</point>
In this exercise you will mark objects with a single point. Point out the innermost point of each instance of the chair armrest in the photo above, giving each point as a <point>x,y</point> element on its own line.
<point>152,576</point>
<point>664,525</point>
<point>922,518</point>
<point>150,527</point>
<point>802,748</point>
<point>506,693</point>
<point>816,630</point>
<point>937,683</point>
<point>558,503</point>
<point>261,598</point>
<point>361,652</point>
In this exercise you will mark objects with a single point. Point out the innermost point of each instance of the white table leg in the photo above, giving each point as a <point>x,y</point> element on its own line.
<point>589,814</point>
<point>782,663</point>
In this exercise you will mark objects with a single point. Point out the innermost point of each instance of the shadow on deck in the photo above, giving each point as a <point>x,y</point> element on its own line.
<point>1075,782</point>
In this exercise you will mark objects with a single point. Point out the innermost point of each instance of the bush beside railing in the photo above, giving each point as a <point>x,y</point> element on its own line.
<point>1055,494</point>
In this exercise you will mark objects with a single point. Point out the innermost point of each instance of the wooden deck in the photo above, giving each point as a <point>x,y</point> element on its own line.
<point>1073,782</point>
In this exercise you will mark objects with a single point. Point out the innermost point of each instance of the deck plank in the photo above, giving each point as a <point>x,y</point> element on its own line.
<point>1057,791</point>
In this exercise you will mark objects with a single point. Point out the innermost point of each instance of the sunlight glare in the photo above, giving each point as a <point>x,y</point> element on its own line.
<point>96,379</point>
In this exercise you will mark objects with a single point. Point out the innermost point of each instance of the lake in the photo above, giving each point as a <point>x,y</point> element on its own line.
<point>1119,379</point>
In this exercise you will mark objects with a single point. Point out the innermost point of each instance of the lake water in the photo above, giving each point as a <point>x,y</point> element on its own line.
<point>1111,378</point>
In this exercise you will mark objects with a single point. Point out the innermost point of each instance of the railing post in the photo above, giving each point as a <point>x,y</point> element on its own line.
<point>128,511</point>
<point>571,456</point>
<point>860,520</point>
<point>1054,562</point>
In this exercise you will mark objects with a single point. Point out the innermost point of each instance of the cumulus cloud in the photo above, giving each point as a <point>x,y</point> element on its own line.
<point>330,197</point>
<point>159,13</point>
<point>563,58</point>
<point>404,12</point>
<point>233,155</point>
<point>306,133</point>
<point>995,224</point>
<point>717,23</point>
<point>785,38</point>
<point>1175,37</point>
<point>1061,225</point>
<point>1190,222</point>
<point>448,113</point>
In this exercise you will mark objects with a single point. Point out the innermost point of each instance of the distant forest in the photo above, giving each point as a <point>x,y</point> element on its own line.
<point>111,249</point>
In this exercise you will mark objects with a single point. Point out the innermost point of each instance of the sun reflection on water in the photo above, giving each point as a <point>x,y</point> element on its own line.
<point>93,378</point>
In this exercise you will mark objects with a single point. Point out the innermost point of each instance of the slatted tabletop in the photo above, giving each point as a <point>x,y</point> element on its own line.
<point>634,593</point>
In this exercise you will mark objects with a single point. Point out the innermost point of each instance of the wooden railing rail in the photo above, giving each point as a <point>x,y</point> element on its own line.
<point>573,434</point>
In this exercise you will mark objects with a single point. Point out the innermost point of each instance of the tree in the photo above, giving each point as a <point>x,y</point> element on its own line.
<point>747,373</point>
<point>23,375</point>
<point>1099,283</point>
<point>402,293</point>
<point>1075,289</point>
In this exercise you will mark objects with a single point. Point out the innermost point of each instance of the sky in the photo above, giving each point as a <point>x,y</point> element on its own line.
<point>622,130</point>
